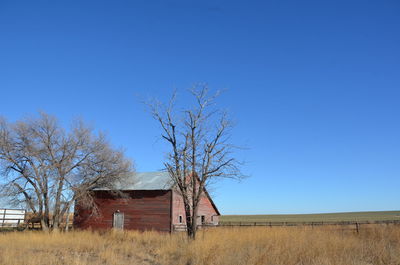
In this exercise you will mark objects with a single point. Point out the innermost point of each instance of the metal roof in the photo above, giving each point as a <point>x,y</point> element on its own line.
<point>159,180</point>
<point>145,181</point>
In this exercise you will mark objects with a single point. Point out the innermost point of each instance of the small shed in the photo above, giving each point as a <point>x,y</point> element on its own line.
<point>147,201</point>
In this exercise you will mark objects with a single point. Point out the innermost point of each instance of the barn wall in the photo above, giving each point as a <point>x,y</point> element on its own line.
<point>205,208</point>
<point>143,210</point>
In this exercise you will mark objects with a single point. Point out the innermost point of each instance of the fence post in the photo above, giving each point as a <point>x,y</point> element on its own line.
<point>4,217</point>
<point>357,228</point>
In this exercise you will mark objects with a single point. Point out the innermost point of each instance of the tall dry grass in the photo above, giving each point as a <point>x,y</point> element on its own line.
<point>256,245</point>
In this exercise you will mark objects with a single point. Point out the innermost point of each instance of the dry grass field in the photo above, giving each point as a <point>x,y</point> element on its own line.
<point>375,244</point>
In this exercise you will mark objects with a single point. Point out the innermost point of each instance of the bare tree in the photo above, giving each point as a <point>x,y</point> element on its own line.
<point>200,149</point>
<point>48,168</point>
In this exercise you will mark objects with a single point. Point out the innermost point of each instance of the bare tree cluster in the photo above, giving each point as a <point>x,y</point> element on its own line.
<point>48,168</point>
<point>201,152</point>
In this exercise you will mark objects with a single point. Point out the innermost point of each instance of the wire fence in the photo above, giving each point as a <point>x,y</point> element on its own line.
<point>248,223</point>
<point>353,225</point>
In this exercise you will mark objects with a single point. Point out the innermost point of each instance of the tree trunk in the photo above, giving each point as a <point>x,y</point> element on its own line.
<point>56,225</point>
<point>67,221</point>
<point>46,216</point>
<point>194,226</point>
<point>194,218</point>
<point>56,217</point>
<point>43,224</point>
<point>57,207</point>
<point>189,223</point>
<point>65,211</point>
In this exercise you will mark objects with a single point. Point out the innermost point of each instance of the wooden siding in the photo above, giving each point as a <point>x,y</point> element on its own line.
<point>143,210</point>
<point>205,208</point>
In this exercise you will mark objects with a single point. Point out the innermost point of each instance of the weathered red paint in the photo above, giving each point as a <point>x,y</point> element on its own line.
<point>143,210</point>
<point>206,209</point>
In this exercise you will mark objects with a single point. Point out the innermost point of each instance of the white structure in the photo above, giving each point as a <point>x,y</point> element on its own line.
<point>11,217</point>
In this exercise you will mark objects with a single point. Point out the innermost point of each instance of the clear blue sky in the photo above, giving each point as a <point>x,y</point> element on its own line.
<point>314,87</point>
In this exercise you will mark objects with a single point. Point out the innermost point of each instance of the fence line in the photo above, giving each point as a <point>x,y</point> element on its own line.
<point>12,217</point>
<point>356,223</point>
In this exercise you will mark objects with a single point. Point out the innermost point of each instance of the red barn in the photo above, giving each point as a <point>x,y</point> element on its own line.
<point>148,201</point>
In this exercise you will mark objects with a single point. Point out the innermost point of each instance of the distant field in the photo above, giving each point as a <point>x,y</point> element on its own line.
<point>323,217</point>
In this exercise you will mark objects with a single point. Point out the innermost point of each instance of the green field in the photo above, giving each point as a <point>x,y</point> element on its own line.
<point>322,217</point>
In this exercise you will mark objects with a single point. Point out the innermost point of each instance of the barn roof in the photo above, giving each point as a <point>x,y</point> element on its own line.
<point>145,181</point>
<point>158,180</point>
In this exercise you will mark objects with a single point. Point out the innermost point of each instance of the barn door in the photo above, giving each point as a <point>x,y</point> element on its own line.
<point>118,222</point>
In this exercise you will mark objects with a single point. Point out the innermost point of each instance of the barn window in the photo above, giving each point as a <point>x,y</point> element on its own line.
<point>203,219</point>
<point>180,219</point>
